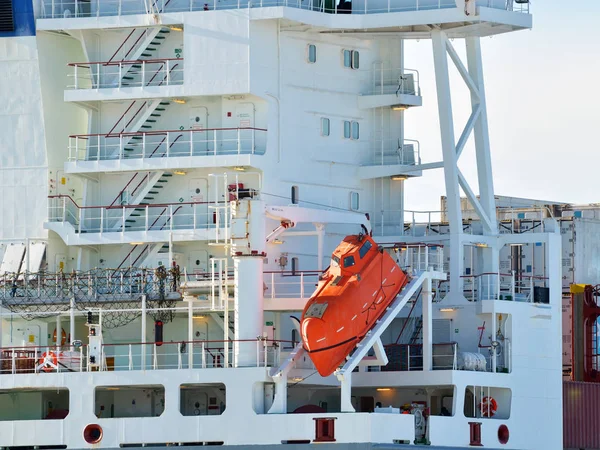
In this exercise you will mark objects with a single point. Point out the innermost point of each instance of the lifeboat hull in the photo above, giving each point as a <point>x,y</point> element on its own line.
<point>349,301</point>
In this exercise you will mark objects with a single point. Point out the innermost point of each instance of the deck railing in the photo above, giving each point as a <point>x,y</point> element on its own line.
<point>141,356</point>
<point>98,8</point>
<point>167,144</point>
<point>126,74</point>
<point>393,151</point>
<point>121,218</point>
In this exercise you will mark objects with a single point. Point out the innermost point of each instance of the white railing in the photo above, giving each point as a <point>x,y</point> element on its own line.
<point>407,222</point>
<point>501,286</point>
<point>392,151</point>
<point>168,143</point>
<point>419,257</point>
<point>288,284</point>
<point>121,218</point>
<point>409,357</point>
<point>394,81</point>
<point>97,8</point>
<point>141,356</point>
<point>122,74</point>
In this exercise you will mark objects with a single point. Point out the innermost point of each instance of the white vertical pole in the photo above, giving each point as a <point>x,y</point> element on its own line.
<point>451,171</point>
<point>494,357</point>
<point>427,326</point>
<point>72,322</point>
<point>320,235</point>
<point>143,337</point>
<point>190,337</point>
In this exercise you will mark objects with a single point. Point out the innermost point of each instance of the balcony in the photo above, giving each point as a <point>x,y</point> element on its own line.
<point>53,9</point>
<point>167,149</point>
<point>393,87</point>
<point>151,75</point>
<point>84,225</point>
<point>391,157</point>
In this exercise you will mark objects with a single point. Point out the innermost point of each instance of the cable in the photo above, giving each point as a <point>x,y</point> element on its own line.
<point>305,378</point>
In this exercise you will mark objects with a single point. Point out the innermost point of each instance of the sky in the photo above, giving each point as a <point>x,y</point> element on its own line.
<point>543,103</point>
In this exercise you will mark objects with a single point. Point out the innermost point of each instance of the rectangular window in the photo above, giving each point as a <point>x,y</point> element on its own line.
<point>325,126</point>
<point>354,202</point>
<point>347,129</point>
<point>202,399</point>
<point>349,261</point>
<point>294,195</point>
<point>484,402</point>
<point>142,401</point>
<point>351,59</point>
<point>351,130</point>
<point>33,404</point>
<point>365,249</point>
<point>355,130</point>
<point>294,265</point>
<point>312,53</point>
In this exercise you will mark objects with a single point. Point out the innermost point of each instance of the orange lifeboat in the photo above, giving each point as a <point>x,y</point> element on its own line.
<point>352,294</point>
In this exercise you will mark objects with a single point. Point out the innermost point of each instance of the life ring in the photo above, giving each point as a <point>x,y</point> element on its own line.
<point>46,359</point>
<point>63,337</point>
<point>488,407</point>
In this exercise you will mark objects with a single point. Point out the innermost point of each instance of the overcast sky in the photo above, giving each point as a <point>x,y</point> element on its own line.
<point>543,100</point>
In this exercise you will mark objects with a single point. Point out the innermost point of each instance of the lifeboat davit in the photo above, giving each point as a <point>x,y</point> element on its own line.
<point>352,294</point>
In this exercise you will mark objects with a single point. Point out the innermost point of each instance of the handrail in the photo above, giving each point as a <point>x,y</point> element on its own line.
<point>120,118</point>
<point>158,71</point>
<point>123,190</point>
<point>161,132</point>
<point>134,44</point>
<point>132,117</point>
<point>126,62</point>
<point>121,46</point>
<point>147,177</point>
<point>132,206</point>
<point>172,143</point>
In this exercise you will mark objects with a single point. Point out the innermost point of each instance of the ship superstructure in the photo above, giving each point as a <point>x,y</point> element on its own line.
<point>175,180</point>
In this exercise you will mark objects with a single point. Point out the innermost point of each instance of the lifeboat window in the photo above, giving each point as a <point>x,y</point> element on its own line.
<point>365,249</point>
<point>349,261</point>
<point>335,261</point>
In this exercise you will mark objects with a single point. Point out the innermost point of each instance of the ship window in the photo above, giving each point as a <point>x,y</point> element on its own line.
<point>351,59</point>
<point>30,404</point>
<point>312,53</point>
<point>142,401</point>
<point>355,130</point>
<point>294,195</point>
<point>325,126</point>
<point>347,129</point>
<point>354,201</point>
<point>335,261</point>
<point>349,261</point>
<point>351,130</point>
<point>202,399</point>
<point>484,402</point>
<point>365,249</point>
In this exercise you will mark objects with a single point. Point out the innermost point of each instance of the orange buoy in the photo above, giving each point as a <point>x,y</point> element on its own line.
<point>352,294</point>
<point>488,407</point>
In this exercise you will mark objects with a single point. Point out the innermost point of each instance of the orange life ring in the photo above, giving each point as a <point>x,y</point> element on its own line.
<point>63,337</point>
<point>488,407</point>
<point>43,361</point>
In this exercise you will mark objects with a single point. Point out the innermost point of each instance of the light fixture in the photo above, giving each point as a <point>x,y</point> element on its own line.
<point>383,389</point>
<point>136,243</point>
<point>297,379</point>
<point>181,101</point>
<point>179,172</point>
<point>176,27</point>
<point>113,389</point>
<point>447,309</point>
<point>481,245</point>
<point>239,168</point>
<point>399,107</point>
<point>399,177</point>
<point>277,241</point>
<point>198,317</point>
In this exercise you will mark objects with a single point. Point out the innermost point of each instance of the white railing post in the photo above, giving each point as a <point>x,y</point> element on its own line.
<point>80,220</point>
<point>203,356</point>
<point>75,76</point>
<point>101,220</point>
<point>167,143</point>
<point>146,219</point>
<point>122,219</point>
<point>168,72</point>
<point>121,151</point>
<point>214,142</point>
<point>130,358</point>
<point>266,349</point>
<point>239,141</point>
<point>498,287</point>
<point>191,143</point>
<point>512,286</point>
<point>64,212</point>
<point>479,293</point>
<point>531,287</point>
<point>253,141</point>
<point>155,357</point>
<point>120,73</point>
<point>143,73</point>
<point>143,145</point>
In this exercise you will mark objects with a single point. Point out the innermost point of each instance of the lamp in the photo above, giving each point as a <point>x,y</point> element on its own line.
<point>399,107</point>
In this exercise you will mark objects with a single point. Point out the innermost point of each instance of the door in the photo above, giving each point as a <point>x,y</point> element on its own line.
<point>200,137</point>
<point>244,114</point>
<point>198,262</point>
<point>198,193</point>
